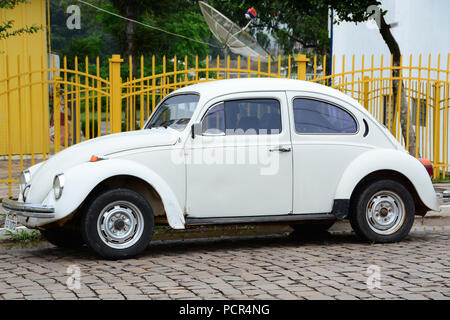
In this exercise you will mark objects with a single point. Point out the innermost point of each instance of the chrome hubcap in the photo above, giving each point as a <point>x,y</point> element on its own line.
<point>120,224</point>
<point>385,212</point>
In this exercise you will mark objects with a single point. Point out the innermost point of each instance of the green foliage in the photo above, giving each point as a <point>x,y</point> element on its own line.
<point>296,25</point>
<point>24,236</point>
<point>90,46</point>
<point>93,127</point>
<point>7,27</point>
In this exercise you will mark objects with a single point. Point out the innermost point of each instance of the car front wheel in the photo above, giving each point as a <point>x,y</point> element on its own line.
<point>118,224</point>
<point>383,211</point>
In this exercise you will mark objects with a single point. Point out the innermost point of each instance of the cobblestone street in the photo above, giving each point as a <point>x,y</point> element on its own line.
<point>266,267</point>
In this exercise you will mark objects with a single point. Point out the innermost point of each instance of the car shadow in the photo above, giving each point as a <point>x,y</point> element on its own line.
<point>161,248</point>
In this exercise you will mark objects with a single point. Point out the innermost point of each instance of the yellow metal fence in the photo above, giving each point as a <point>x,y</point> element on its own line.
<point>44,110</point>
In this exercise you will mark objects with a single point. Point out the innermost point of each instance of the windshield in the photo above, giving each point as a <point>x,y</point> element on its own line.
<point>174,112</point>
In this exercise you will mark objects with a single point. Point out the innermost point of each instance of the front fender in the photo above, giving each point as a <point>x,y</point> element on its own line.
<point>80,180</point>
<point>387,159</point>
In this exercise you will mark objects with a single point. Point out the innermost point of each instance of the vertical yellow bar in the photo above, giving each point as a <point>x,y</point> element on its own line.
<point>56,110</point>
<point>207,67</point>
<point>185,71</point>
<point>353,76</point>
<point>436,128</point>
<point>9,124</point>
<point>409,102</point>
<point>218,67</point>
<point>418,113</point>
<point>116,93</point>
<point>366,92</point>
<point>196,69</point>
<point>19,106</point>
<point>324,69</point>
<point>153,84</point>
<point>248,66</point>
<point>66,104</point>
<point>86,101</point>
<point>445,131</point>
<point>44,133</point>
<point>130,107</point>
<point>279,65</point>
<point>175,72</point>
<point>315,67</point>
<point>373,85</point>
<point>141,100</point>
<point>30,110</point>
<point>259,66</point>
<point>238,68</point>
<point>228,67</point>
<point>289,66</point>
<point>99,98</point>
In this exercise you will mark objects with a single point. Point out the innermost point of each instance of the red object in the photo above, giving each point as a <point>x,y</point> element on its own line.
<point>94,158</point>
<point>252,12</point>
<point>428,165</point>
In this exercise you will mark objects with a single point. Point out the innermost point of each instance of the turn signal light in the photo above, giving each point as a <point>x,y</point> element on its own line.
<point>94,158</point>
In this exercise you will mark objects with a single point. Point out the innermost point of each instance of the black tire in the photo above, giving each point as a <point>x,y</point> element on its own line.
<point>312,229</point>
<point>64,237</point>
<point>130,206</point>
<point>390,195</point>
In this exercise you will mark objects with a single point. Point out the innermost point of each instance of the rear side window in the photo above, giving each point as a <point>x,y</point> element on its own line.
<point>313,116</point>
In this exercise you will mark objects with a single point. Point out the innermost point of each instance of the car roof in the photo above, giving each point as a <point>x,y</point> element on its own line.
<point>212,89</point>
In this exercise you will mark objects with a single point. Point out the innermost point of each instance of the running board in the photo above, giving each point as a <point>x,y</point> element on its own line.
<point>259,219</point>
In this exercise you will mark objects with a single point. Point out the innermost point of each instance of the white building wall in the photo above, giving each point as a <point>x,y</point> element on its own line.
<point>424,28</point>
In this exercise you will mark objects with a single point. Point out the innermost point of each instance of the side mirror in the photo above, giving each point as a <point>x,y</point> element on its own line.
<point>196,129</point>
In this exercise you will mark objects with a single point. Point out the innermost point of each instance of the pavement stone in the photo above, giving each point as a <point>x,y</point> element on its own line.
<point>270,267</point>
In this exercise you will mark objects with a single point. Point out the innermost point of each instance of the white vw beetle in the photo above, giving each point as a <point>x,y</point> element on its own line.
<point>227,152</point>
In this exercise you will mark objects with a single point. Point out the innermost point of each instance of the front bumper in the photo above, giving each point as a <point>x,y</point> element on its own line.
<point>24,209</point>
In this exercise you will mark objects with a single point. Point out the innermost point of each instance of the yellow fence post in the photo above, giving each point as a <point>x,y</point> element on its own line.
<point>301,60</point>
<point>57,114</point>
<point>115,93</point>
<point>366,93</point>
<point>436,128</point>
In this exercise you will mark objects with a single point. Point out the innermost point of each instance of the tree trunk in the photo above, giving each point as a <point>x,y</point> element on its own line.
<point>394,48</point>
<point>130,31</point>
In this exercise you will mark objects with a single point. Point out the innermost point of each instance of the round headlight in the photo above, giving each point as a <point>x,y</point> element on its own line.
<point>25,178</point>
<point>58,185</point>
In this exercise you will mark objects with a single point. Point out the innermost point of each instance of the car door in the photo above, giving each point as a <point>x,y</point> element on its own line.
<point>241,163</point>
<point>326,137</point>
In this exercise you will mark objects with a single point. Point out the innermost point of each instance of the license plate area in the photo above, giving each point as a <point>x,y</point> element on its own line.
<point>11,222</point>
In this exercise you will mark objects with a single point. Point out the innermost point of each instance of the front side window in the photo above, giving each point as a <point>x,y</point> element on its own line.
<point>314,116</point>
<point>247,116</point>
<point>174,112</point>
<point>214,120</point>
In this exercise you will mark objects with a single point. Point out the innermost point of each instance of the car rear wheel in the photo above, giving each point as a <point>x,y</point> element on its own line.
<point>118,224</point>
<point>383,211</point>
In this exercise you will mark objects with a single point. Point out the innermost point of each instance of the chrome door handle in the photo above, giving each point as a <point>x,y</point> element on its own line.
<point>280,149</point>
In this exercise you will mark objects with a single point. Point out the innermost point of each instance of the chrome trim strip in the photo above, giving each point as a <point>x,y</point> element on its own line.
<point>24,209</point>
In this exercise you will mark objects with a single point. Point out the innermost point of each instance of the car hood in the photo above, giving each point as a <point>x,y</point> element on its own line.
<point>42,178</point>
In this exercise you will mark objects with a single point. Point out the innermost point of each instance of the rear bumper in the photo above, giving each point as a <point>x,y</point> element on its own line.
<point>24,209</point>
<point>444,196</point>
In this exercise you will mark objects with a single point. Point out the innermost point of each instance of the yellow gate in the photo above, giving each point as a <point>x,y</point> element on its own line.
<point>44,110</point>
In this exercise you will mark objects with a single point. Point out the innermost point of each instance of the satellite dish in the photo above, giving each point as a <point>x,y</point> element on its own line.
<point>231,35</point>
